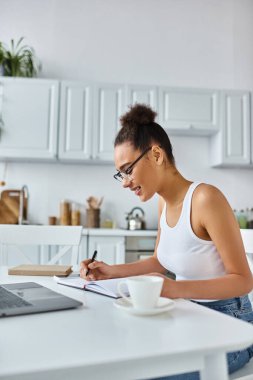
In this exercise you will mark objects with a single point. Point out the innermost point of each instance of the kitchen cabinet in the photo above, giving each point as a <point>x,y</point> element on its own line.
<point>75,137</point>
<point>142,94</point>
<point>89,120</point>
<point>231,145</point>
<point>109,104</point>
<point>191,112</point>
<point>111,249</point>
<point>89,113</point>
<point>28,118</point>
<point>117,246</point>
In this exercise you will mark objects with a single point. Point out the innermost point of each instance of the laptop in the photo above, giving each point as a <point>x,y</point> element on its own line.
<point>30,297</point>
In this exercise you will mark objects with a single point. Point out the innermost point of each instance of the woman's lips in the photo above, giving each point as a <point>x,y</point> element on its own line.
<point>137,190</point>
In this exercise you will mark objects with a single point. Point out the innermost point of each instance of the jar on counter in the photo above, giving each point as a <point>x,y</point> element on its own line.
<point>93,217</point>
<point>75,215</point>
<point>65,215</point>
<point>52,220</point>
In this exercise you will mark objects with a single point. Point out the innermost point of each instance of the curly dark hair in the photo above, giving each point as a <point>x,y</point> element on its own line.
<point>140,129</point>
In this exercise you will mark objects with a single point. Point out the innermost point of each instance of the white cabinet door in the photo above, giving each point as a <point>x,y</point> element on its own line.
<point>28,118</point>
<point>109,104</point>
<point>143,95</point>
<point>75,121</point>
<point>189,111</point>
<point>231,146</point>
<point>111,250</point>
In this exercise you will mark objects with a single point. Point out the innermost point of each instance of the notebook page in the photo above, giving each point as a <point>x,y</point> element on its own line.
<point>108,287</point>
<point>75,282</point>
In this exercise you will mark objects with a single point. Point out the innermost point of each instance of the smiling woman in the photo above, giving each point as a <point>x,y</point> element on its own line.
<point>126,174</point>
<point>198,236</point>
<point>140,137</point>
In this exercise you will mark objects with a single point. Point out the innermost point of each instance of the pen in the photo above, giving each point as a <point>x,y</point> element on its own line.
<point>92,259</point>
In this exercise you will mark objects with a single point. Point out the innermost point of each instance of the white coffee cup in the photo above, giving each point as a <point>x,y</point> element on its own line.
<point>144,291</point>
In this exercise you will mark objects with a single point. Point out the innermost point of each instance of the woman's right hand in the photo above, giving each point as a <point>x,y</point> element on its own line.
<point>98,270</point>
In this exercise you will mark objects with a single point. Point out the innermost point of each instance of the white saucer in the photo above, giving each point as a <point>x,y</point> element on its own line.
<point>164,304</point>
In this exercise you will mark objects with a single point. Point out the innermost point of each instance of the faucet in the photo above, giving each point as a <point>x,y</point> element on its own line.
<point>23,205</point>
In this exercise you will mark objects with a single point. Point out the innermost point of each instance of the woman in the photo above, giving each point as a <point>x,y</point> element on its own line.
<point>198,237</point>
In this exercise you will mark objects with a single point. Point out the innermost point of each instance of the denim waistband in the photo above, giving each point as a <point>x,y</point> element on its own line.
<point>227,302</point>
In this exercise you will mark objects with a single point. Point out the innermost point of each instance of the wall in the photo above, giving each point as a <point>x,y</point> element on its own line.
<point>168,42</point>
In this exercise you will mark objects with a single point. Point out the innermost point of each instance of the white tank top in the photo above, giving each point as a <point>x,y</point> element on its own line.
<point>182,252</point>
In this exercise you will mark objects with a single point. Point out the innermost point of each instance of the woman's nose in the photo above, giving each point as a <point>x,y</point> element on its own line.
<point>126,182</point>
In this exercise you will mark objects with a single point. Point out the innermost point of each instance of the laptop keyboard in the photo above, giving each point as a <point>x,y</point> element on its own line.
<point>9,300</point>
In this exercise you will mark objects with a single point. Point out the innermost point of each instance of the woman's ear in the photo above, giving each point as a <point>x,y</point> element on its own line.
<point>157,154</point>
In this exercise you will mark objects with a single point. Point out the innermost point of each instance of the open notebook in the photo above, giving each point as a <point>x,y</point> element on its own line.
<point>105,287</point>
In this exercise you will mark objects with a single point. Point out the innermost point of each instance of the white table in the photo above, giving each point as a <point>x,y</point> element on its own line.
<point>99,341</point>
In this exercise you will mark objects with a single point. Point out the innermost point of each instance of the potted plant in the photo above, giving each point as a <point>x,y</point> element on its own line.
<point>19,60</point>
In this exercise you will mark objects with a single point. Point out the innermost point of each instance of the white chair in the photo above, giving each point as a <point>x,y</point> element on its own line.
<point>64,239</point>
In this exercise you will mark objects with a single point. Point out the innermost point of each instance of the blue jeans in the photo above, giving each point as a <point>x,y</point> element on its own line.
<point>239,308</point>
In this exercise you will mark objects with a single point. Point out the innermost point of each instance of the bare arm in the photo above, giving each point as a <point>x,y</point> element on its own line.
<point>138,267</point>
<point>218,220</point>
<point>99,270</point>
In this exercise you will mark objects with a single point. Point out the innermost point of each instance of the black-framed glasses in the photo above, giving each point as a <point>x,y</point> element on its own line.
<point>120,176</point>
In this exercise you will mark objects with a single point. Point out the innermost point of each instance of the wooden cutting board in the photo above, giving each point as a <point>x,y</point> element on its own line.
<point>9,206</point>
<point>11,200</point>
<point>6,216</point>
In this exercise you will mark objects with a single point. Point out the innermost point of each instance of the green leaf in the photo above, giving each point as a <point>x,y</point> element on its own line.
<point>19,60</point>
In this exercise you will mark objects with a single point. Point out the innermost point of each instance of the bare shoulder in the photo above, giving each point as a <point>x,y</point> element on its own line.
<point>211,206</point>
<point>208,195</point>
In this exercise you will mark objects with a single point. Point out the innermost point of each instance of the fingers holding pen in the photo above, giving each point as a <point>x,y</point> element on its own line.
<point>98,270</point>
<point>84,268</point>
<point>94,265</point>
<point>90,270</point>
<point>93,272</point>
<point>91,261</point>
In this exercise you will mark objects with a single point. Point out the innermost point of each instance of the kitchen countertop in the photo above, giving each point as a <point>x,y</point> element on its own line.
<point>118,232</point>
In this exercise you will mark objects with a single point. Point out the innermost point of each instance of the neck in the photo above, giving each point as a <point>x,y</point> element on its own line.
<point>173,186</point>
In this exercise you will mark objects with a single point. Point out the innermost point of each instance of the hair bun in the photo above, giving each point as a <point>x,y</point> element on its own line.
<point>139,114</point>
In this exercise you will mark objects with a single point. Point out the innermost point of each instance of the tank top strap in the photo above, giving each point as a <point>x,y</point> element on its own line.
<point>185,216</point>
<point>163,217</point>
<point>186,210</point>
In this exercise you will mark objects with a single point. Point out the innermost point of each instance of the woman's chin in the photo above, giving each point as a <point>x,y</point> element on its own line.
<point>144,197</point>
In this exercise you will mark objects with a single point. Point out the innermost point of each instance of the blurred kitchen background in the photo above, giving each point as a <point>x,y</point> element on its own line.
<point>177,43</point>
